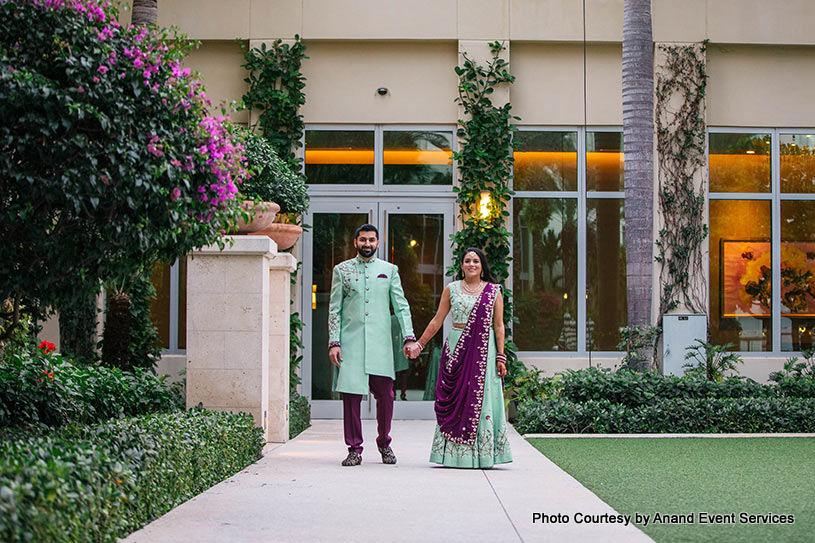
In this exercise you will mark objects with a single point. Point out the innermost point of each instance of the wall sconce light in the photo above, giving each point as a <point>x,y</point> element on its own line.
<point>313,296</point>
<point>484,205</point>
<point>413,243</point>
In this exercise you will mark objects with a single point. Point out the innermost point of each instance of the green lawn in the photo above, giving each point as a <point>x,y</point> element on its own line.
<point>691,475</point>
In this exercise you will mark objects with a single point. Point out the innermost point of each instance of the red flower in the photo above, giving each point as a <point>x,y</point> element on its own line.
<point>46,347</point>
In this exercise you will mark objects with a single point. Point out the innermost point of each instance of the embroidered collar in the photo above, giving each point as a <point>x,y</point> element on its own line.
<point>361,260</point>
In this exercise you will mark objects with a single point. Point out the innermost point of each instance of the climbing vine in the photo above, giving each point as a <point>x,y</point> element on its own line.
<point>276,90</point>
<point>680,126</point>
<point>484,164</point>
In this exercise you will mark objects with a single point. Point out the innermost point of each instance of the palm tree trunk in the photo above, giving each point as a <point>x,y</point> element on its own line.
<point>638,134</point>
<point>145,12</point>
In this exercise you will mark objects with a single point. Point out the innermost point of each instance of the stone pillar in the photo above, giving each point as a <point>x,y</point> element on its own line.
<point>238,331</point>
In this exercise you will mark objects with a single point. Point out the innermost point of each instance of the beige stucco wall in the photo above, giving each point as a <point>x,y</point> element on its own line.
<point>723,21</point>
<point>549,83</point>
<point>342,79</point>
<point>219,63</point>
<point>760,86</point>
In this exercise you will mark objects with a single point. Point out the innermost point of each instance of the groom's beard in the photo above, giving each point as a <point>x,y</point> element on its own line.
<point>366,252</point>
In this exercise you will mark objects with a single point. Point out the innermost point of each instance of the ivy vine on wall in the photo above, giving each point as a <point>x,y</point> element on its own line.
<point>484,162</point>
<point>276,91</point>
<point>680,126</point>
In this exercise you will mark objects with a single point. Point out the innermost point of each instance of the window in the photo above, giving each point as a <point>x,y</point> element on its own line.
<point>762,212</point>
<point>568,240</point>
<point>168,310</point>
<point>392,156</point>
<point>340,157</point>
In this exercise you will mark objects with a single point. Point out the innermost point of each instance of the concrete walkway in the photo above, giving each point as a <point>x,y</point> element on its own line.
<point>299,492</point>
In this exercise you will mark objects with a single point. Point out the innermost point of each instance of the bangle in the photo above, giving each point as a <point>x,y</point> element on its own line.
<point>420,344</point>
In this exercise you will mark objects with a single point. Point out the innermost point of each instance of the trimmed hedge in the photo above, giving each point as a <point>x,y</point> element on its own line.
<point>299,414</point>
<point>45,389</point>
<point>102,482</point>
<point>633,389</point>
<point>668,415</point>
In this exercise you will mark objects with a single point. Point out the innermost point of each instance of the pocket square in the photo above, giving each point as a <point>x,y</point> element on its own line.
<point>382,276</point>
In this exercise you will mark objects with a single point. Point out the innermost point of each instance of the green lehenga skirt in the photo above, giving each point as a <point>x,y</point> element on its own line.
<point>492,441</point>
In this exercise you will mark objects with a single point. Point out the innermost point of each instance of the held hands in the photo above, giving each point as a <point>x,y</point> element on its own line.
<point>502,369</point>
<point>412,350</point>
<point>335,355</point>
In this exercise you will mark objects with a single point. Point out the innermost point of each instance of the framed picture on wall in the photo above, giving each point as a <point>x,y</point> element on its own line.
<point>745,266</point>
<point>745,287</point>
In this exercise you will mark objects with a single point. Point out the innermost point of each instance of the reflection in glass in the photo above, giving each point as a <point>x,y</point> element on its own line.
<point>797,163</point>
<point>545,161</point>
<point>604,161</point>
<point>739,162</point>
<point>340,156</point>
<point>416,157</point>
<point>160,306</point>
<point>545,273</point>
<point>797,274</point>
<point>606,309</point>
<point>416,246</point>
<point>741,274</point>
<point>333,243</point>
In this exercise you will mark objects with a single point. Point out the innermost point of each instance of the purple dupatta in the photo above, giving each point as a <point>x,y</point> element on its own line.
<point>460,386</point>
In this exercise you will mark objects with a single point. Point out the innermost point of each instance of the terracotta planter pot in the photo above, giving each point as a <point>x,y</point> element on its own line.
<point>264,216</point>
<point>285,235</point>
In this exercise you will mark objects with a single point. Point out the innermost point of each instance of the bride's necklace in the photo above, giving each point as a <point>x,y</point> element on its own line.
<point>471,291</point>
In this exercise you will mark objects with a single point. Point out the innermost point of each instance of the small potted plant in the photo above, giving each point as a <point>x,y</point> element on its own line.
<point>275,181</point>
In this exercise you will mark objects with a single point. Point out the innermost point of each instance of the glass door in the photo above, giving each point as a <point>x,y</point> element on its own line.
<point>326,244</point>
<point>415,237</point>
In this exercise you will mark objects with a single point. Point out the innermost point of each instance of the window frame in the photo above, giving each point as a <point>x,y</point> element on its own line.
<point>775,197</point>
<point>379,185</point>
<point>582,195</point>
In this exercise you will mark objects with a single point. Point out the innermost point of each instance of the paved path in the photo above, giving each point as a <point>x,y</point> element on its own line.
<point>299,492</point>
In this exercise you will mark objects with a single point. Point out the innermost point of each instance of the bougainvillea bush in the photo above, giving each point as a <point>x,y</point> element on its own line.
<point>109,158</point>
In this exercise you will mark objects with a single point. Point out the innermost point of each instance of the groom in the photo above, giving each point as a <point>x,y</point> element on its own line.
<point>360,346</point>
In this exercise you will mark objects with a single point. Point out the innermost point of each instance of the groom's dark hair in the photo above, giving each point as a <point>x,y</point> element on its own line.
<point>366,228</point>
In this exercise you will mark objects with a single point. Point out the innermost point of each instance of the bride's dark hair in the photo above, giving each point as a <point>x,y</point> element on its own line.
<point>485,267</point>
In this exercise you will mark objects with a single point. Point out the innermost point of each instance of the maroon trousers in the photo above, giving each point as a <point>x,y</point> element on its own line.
<point>382,389</point>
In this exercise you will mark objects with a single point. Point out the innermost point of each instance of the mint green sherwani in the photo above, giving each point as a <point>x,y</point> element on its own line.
<point>359,320</point>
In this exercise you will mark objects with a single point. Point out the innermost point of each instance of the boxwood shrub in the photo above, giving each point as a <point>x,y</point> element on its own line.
<point>45,389</point>
<point>99,483</point>
<point>668,415</point>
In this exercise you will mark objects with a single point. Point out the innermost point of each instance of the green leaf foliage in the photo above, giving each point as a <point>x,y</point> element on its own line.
<point>100,483</point>
<point>276,91</point>
<point>669,415</point>
<point>273,180</point>
<point>598,400</point>
<point>110,160</point>
<point>484,161</point>
<point>46,390</point>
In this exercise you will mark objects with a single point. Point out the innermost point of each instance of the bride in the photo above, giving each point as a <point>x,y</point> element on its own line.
<point>471,430</point>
